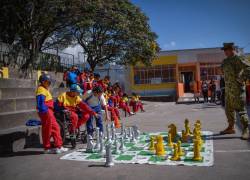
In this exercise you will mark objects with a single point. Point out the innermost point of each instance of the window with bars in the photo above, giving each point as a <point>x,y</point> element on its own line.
<point>155,75</point>
<point>210,71</point>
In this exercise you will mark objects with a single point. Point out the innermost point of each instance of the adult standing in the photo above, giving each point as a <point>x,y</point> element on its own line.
<point>236,70</point>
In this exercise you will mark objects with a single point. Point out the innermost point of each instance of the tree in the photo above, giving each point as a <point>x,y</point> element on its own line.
<point>36,24</point>
<point>115,31</point>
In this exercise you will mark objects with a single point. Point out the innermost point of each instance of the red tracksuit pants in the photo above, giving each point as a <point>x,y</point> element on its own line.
<point>76,121</point>
<point>140,106</point>
<point>50,128</point>
<point>125,107</point>
<point>114,116</point>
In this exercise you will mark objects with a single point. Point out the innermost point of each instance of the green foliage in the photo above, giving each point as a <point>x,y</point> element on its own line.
<point>108,30</point>
<point>115,31</point>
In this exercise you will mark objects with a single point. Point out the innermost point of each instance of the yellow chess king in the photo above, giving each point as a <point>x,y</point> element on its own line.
<point>197,154</point>
<point>175,156</point>
<point>160,151</point>
<point>170,142</point>
<point>187,128</point>
<point>180,150</point>
<point>152,143</point>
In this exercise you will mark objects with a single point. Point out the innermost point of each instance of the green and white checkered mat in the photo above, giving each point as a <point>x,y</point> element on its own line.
<point>138,153</point>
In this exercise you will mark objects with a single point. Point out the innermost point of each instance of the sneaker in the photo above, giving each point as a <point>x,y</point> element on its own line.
<point>49,151</point>
<point>132,113</point>
<point>58,151</point>
<point>63,149</point>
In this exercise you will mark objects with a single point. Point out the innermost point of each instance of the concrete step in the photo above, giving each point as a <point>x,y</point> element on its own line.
<point>17,83</point>
<point>17,118</point>
<point>18,104</point>
<point>11,93</point>
<point>19,138</point>
<point>185,100</point>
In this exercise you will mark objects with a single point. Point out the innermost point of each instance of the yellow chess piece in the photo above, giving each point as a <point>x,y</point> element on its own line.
<point>152,143</point>
<point>180,150</point>
<point>173,131</point>
<point>170,142</point>
<point>187,127</point>
<point>197,154</point>
<point>175,156</point>
<point>160,151</point>
<point>184,137</point>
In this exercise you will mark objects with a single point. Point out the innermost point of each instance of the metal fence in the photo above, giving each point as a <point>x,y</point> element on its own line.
<point>48,60</point>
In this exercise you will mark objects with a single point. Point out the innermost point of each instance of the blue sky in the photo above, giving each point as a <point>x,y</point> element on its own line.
<point>186,24</point>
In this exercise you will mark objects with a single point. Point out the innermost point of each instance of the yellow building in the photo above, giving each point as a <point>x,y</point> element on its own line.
<point>177,73</point>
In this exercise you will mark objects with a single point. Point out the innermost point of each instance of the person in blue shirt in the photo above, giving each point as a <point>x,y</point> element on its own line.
<point>72,77</point>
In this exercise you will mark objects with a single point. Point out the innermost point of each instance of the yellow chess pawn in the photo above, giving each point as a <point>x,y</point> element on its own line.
<point>197,154</point>
<point>198,122</point>
<point>175,156</point>
<point>187,127</point>
<point>184,137</point>
<point>170,142</point>
<point>173,131</point>
<point>152,143</point>
<point>180,150</point>
<point>160,151</point>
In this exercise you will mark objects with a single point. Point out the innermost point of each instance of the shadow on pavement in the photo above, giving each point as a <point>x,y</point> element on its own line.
<point>22,153</point>
<point>97,165</point>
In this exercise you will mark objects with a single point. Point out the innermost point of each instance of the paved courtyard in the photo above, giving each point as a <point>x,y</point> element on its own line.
<point>232,155</point>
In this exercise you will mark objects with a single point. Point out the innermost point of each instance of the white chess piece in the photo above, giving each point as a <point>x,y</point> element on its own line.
<point>122,148</point>
<point>102,150</point>
<point>90,144</point>
<point>109,158</point>
<point>112,131</point>
<point>97,145</point>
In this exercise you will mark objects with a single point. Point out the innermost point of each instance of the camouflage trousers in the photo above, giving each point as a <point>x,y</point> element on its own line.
<point>236,104</point>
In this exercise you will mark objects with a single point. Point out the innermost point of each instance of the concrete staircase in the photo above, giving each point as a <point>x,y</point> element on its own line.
<point>17,105</point>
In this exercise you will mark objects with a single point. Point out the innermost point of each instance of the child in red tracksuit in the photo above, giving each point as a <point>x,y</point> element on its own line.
<point>123,104</point>
<point>50,127</point>
<point>72,102</point>
<point>136,103</point>
<point>114,111</point>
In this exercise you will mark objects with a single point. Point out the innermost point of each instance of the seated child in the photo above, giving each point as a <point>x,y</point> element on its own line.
<point>72,102</point>
<point>123,104</point>
<point>136,103</point>
<point>115,116</point>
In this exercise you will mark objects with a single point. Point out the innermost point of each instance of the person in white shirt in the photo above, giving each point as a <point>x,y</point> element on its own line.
<point>96,100</point>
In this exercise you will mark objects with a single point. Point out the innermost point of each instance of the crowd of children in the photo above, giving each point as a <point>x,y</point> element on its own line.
<point>87,97</point>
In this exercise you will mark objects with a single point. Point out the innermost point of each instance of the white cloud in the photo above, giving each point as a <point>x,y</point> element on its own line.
<point>173,43</point>
<point>169,45</point>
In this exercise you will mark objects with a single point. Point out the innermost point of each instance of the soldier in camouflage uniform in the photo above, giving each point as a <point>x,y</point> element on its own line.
<point>236,70</point>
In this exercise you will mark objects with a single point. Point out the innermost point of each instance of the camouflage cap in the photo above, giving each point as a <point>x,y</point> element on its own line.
<point>228,46</point>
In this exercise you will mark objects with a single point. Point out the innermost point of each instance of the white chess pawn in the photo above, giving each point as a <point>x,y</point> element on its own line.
<point>129,132</point>
<point>136,132</point>
<point>109,158</point>
<point>121,148</point>
<point>112,131</point>
<point>125,134</point>
<point>116,151</point>
<point>122,129</point>
<point>90,144</point>
<point>132,137</point>
<point>97,145</point>
<point>102,150</point>
<point>108,134</point>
